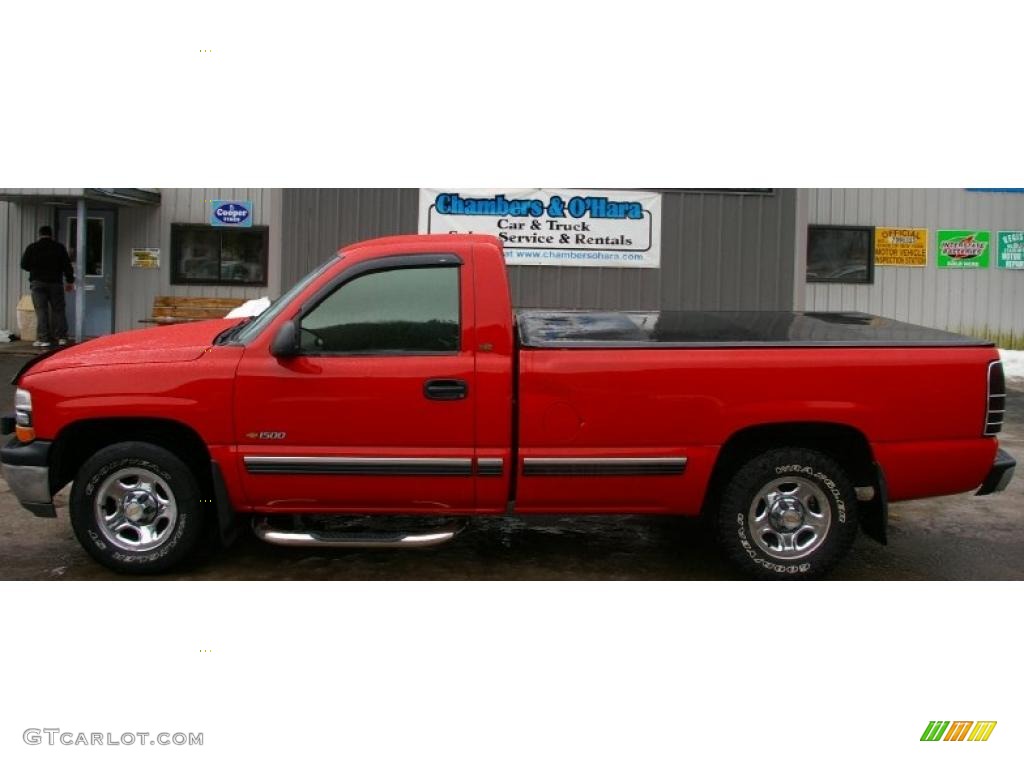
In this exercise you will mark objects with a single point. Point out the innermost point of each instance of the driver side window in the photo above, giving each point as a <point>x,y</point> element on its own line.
<point>413,310</point>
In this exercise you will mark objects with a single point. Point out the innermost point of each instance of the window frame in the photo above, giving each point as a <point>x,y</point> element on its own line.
<point>375,266</point>
<point>869,278</point>
<point>72,222</point>
<point>178,228</point>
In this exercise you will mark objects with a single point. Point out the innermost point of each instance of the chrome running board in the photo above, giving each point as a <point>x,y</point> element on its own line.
<point>368,540</point>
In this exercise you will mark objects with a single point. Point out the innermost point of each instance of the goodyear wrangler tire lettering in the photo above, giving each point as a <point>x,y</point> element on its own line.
<point>787,513</point>
<point>135,508</point>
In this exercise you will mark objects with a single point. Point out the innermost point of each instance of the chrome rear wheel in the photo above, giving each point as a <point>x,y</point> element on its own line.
<point>789,518</point>
<point>787,513</point>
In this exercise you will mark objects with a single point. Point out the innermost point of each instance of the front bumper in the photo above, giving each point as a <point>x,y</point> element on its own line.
<point>26,468</point>
<point>1000,475</point>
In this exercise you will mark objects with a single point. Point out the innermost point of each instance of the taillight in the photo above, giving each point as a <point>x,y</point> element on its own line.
<point>996,409</point>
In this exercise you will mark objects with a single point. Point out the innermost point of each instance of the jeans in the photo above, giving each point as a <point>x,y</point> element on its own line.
<point>48,300</point>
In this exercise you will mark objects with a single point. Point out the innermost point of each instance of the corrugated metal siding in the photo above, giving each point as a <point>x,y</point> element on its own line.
<point>146,227</point>
<point>318,221</point>
<point>987,303</point>
<point>19,226</point>
<point>719,250</point>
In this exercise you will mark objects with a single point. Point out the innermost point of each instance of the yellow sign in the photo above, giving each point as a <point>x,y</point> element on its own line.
<point>895,247</point>
<point>146,258</point>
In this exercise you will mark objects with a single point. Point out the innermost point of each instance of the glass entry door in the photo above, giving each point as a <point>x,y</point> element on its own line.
<point>98,281</point>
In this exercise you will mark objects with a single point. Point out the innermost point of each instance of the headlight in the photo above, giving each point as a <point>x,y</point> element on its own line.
<point>22,400</point>
<point>23,416</point>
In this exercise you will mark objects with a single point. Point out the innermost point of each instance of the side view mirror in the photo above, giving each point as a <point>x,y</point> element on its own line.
<point>286,342</point>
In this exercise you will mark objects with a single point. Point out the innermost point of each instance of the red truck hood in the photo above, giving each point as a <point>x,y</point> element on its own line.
<point>167,344</point>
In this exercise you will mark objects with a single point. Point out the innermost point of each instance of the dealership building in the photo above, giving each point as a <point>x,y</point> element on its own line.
<point>946,258</point>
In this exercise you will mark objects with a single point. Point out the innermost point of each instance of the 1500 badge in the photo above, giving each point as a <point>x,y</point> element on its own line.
<point>266,435</point>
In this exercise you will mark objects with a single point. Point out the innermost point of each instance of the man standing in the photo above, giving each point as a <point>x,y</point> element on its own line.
<point>49,266</point>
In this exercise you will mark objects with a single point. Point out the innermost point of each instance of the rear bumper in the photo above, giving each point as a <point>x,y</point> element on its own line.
<point>27,471</point>
<point>1000,475</point>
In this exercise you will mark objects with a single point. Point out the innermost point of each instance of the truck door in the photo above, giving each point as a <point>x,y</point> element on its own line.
<point>375,413</point>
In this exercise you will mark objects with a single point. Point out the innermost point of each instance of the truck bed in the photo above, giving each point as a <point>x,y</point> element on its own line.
<point>681,329</point>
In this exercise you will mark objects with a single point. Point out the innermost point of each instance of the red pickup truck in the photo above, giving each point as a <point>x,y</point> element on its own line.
<point>395,380</point>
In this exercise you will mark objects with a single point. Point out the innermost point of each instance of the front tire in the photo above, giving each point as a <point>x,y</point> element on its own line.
<point>135,508</point>
<point>788,513</point>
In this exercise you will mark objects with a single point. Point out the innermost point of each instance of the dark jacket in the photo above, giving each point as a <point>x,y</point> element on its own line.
<point>47,261</point>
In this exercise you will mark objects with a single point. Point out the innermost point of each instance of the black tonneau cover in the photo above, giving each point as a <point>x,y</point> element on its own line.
<point>546,329</point>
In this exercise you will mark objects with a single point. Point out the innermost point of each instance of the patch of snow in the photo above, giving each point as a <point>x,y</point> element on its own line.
<point>1013,364</point>
<point>250,308</point>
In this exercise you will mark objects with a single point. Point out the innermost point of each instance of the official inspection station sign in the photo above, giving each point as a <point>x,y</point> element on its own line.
<point>1011,250</point>
<point>231,213</point>
<point>146,258</point>
<point>962,248</point>
<point>553,227</point>
<point>898,247</point>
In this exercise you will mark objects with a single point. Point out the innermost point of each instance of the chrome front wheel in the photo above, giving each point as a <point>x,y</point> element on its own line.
<point>135,509</point>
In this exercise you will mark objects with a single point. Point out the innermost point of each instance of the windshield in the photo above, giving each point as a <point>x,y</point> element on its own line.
<point>249,331</point>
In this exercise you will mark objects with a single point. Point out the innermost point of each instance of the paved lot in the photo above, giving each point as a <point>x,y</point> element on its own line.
<point>959,537</point>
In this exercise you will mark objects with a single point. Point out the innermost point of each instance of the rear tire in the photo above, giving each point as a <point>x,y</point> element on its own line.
<point>789,513</point>
<point>135,508</point>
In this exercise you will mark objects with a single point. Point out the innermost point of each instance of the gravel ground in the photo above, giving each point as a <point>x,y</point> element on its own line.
<point>956,537</point>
